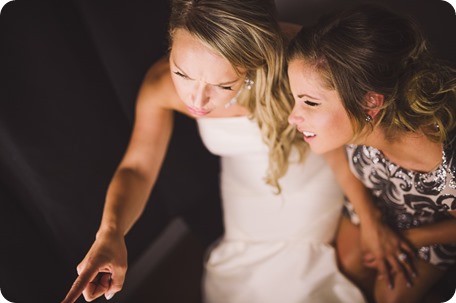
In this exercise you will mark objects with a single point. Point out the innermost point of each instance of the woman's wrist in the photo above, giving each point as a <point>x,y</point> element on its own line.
<point>109,231</point>
<point>370,216</point>
<point>419,237</point>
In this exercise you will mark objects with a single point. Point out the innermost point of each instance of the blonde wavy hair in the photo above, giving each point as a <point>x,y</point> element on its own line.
<point>369,48</point>
<point>247,34</point>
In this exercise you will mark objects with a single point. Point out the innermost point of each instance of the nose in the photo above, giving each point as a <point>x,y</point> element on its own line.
<point>295,117</point>
<point>200,95</point>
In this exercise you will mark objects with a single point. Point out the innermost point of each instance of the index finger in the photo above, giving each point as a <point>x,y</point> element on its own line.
<point>79,285</point>
<point>409,262</point>
<point>384,272</point>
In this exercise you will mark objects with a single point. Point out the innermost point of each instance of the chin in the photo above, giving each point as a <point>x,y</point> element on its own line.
<point>320,150</point>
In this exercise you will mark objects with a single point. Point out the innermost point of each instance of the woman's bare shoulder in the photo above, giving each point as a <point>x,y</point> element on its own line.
<point>158,75</point>
<point>158,87</point>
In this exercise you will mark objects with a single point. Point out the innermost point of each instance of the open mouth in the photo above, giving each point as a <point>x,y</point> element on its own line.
<point>309,134</point>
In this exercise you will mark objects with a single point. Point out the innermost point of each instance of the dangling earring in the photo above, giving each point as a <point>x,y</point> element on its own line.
<point>249,83</point>
<point>368,118</point>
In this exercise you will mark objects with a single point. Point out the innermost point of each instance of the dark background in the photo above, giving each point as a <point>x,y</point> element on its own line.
<point>69,73</point>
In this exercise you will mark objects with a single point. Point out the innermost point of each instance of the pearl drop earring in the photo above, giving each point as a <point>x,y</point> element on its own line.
<point>249,83</point>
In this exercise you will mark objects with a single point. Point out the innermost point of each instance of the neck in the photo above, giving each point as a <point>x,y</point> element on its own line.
<point>413,151</point>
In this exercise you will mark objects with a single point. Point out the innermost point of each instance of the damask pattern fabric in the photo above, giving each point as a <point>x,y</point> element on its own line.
<point>408,198</point>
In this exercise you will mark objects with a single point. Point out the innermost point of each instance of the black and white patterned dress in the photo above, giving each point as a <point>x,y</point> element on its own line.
<point>407,198</point>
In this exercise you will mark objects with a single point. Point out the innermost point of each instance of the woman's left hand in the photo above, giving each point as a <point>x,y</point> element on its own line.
<point>387,251</point>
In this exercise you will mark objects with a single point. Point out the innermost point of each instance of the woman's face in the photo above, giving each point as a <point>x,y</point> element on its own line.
<point>203,79</point>
<point>318,112</point>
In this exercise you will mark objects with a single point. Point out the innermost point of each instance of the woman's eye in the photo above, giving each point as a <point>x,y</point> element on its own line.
<point>181,75</point>
<point>226,87</point>
<point>310,103</point>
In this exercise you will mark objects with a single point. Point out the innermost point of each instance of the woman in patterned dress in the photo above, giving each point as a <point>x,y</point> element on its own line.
<point>365,78</point>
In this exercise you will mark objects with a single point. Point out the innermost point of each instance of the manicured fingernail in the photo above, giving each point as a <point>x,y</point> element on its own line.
<point>109,296</point>
<point>390,286</point>
<point>409,285</point>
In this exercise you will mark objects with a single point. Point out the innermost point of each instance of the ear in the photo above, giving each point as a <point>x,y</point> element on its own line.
<point>374,102</point>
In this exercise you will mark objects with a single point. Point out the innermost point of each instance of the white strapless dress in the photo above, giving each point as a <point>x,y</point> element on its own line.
<point>276,247</point>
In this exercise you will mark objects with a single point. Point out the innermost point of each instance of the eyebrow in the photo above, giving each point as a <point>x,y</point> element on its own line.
<point>227,83</point>
<point>305,95</point>
<point>218,84</point>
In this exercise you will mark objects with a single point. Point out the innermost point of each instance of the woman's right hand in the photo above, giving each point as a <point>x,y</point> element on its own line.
<point>386,251</point>
<point>103,269</point>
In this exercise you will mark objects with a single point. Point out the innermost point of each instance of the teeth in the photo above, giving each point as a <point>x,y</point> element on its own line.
<point>307,134</point>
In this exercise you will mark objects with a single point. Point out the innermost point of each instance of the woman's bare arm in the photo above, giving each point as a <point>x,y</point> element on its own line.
<point>103,269</point>
<point>380,244</point>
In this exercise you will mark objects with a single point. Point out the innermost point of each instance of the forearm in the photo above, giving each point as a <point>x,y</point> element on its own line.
<point>125,200</point>
<point>443,232</point>
<point>135,177</point>
<point>360,197</point>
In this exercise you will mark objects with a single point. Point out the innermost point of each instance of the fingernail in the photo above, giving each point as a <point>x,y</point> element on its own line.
<point>109,296</point>
<point>409,285</point>
<point>390,286</point>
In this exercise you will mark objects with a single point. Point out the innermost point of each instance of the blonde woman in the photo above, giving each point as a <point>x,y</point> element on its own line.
<point>226,70</point>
